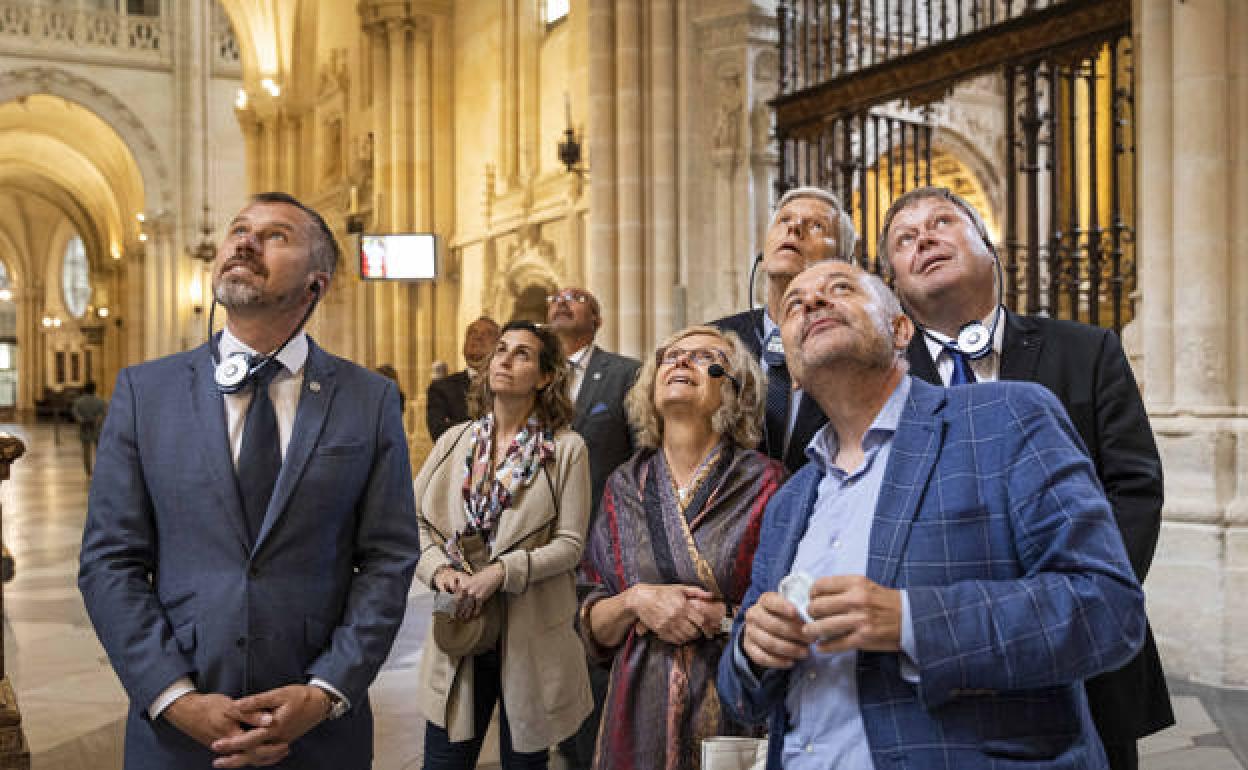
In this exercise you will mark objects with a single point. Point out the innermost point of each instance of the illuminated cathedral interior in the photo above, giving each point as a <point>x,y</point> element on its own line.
<point>635,149</point>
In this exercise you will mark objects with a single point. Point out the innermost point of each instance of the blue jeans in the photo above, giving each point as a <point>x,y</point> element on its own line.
<point>443,754</point>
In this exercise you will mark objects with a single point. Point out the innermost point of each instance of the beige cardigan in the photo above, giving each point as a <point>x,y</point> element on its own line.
<point>545,684</point>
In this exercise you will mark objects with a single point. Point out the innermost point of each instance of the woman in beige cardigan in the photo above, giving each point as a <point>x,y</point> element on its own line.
<point>519,478</point>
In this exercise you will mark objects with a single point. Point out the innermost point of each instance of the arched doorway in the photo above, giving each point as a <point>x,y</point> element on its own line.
<point>71,198</point>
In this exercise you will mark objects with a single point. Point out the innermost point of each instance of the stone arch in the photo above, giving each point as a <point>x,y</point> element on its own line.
<point>157,189</point>
<point>530,266</point>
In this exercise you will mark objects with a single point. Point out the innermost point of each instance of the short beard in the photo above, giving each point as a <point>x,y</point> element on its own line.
<point>234,295</point>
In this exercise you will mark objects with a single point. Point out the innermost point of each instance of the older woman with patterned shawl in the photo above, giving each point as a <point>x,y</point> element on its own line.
<point>669,554</point>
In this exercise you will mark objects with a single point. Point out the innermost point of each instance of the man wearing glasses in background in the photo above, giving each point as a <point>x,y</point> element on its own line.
<point>598,382</point>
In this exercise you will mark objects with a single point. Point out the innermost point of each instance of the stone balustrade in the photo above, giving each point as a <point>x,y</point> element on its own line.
<point>133,38</point>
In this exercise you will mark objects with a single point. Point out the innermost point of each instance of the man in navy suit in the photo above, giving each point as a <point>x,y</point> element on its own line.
<point>807,226</point>
<point>943,265</point>
<point>965,574</point>
<point>249,545</point>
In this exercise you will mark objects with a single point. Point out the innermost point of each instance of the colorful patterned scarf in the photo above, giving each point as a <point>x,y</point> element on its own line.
<point>487,495</point>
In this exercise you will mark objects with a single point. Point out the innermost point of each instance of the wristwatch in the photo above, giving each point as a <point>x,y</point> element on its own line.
<point>337,706</point>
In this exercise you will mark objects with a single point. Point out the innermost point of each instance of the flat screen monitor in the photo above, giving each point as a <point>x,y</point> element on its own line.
<point>399,257</point>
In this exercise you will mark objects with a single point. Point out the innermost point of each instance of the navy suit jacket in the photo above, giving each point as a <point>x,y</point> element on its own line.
<point>810,418</point>
<point>1085,367</point>
<point>601,419</point>
<point>174,587</point>
<point>991,517</point>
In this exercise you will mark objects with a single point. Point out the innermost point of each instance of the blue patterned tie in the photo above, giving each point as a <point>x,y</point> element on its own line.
<point>963,374</point>
<point>260,458</point>
<point>779,389</point>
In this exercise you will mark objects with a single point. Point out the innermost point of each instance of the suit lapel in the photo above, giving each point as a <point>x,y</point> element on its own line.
<point>316,394</point>
<point>793,529</point>
<point>208,407</point>
<point>1020,349</point>
<point>921,363</point>
<point>809,420</point>
<point>916,446</point>
<point>590,385</point>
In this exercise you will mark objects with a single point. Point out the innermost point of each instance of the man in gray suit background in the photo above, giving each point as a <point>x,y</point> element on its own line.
<point>598,383</point>
<point>251,532</point>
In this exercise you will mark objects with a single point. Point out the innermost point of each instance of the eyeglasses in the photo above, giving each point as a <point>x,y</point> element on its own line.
<point>566,296</point>
<point>702,357</point>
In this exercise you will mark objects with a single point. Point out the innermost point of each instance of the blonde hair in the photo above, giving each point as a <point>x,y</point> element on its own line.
<point>739,417</point>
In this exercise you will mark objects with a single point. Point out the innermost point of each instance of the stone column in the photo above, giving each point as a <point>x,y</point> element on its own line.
<point>629,175</point>
<point>1188,274</point>
<point>1202,183</point>
<point>664,275</point>
<point>603,253</point>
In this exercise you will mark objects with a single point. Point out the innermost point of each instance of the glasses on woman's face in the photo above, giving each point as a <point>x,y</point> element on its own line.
<point>566,296</point>
<point>701,357</point>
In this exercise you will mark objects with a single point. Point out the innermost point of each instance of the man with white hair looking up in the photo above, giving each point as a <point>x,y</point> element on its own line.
<point>808,225</point>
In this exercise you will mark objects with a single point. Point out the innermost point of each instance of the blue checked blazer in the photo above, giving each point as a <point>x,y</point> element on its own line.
<point>991,517</point>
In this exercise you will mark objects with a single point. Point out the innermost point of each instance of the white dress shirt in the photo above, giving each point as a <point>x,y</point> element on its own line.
<point>284,393</point>
<point>987,369</point>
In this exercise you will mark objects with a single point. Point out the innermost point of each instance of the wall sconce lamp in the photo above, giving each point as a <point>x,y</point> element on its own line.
<point>102,311</point>
<point>570,147</point>
<point>196,293</point>
<point>6,295</point>
<point>355,222</point>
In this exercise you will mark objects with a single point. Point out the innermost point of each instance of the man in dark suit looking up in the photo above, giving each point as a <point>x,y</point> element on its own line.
<point>944,271</point>
<point>598,382</point>
<point>446,400</point>
<point>251,532</point>
<point>807,226</point>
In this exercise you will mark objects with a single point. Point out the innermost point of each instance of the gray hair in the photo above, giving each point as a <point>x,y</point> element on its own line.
<point>911,197</point>
<point>846,235</point>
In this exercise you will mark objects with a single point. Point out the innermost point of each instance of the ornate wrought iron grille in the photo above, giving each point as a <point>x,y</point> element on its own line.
<point>857,77</point>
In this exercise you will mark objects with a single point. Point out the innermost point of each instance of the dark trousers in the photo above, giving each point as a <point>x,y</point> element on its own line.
<point>443,754</point>
<point>579,749</point>
<point>1123,756</point>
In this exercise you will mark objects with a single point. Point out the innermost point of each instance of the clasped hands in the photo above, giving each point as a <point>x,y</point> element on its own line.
<point>470,591</point>
<point>677,614</point>
<point>848,612</point>
<point>253,731</point>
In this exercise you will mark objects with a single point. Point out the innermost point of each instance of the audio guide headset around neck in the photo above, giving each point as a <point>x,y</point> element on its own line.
<point>238,369</point>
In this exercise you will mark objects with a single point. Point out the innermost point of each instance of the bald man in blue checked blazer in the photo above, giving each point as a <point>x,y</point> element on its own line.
<point>991,578</point>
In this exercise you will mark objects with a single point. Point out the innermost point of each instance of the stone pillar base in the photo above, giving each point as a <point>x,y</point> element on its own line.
<point>1198,586</point>
<point>14,752</point>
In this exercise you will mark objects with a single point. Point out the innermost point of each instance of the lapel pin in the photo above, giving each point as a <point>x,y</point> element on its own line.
<point>314,386</point>
<point>597,375</point>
